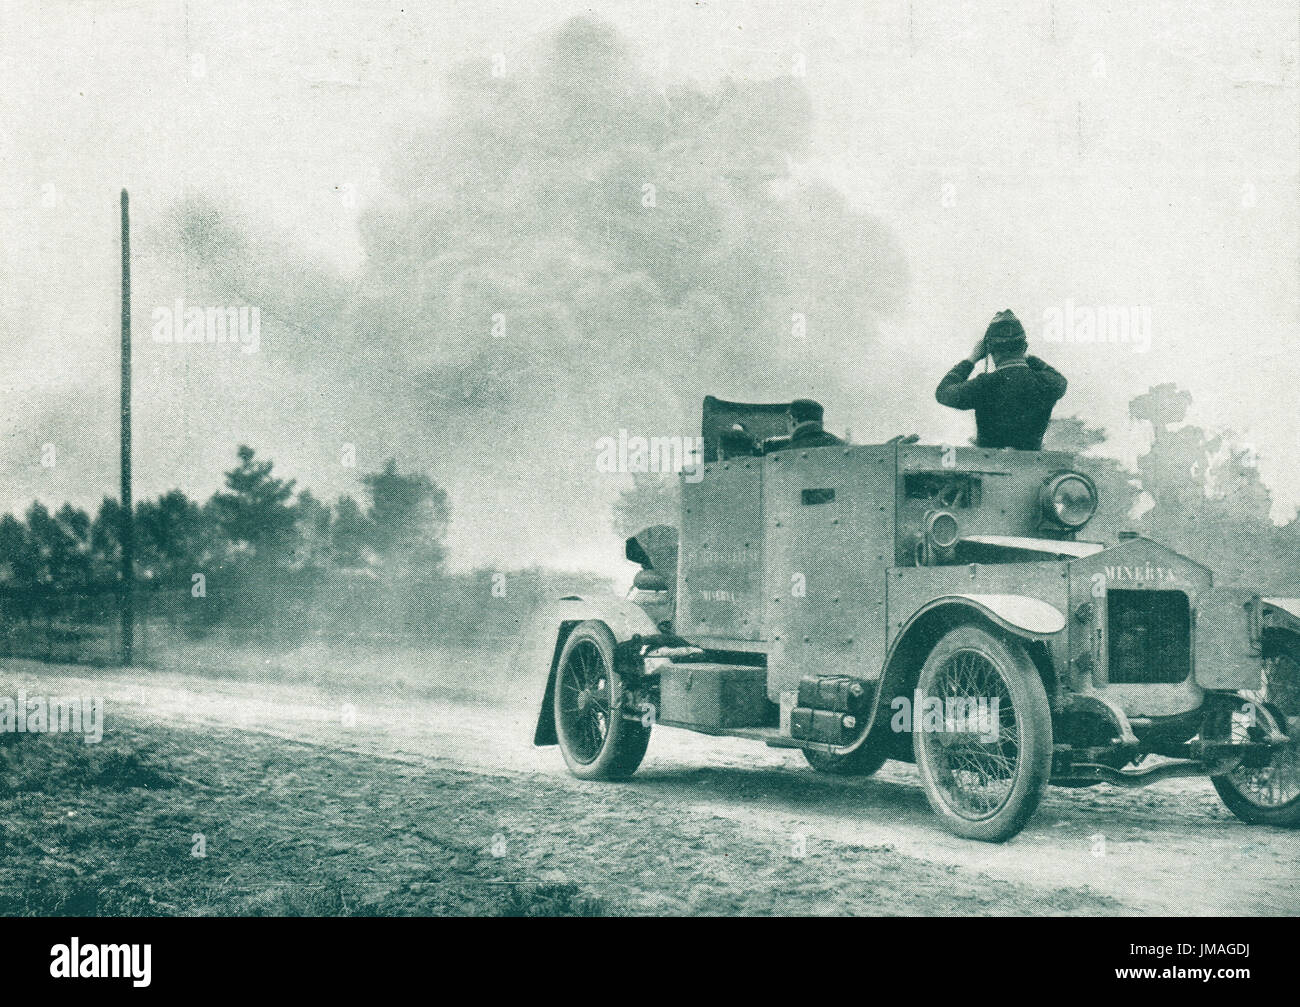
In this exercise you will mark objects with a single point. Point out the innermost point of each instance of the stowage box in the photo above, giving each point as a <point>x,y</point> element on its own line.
<point>820,725</point>
<point>715,695</point>
<point>831,692</point>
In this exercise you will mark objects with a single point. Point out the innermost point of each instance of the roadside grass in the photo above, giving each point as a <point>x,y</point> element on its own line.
<point>114,829</point>
<point>40,763</point>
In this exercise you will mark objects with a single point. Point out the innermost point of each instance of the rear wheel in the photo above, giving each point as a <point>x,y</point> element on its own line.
<point>861,762</point>
<point>984,766</point>
<point>1269,794</point>
<point>598,742</point>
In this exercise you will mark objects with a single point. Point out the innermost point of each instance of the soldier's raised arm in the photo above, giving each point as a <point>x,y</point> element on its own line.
<point>956,390</point>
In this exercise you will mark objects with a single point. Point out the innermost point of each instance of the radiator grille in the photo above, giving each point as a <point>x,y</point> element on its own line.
<point>1149,636</point>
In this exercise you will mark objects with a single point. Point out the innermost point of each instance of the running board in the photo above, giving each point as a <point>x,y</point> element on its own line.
<point>771,735</point>
<point>1088,772</point>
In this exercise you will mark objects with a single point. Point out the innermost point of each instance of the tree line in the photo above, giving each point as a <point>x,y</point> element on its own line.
<point>259,535</point>
<point>1198,491</point>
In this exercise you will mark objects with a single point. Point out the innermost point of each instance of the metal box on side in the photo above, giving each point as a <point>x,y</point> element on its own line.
<point>715,696</point>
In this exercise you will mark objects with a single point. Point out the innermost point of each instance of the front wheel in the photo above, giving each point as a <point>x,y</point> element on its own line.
<point>983,735</point>
<point>598,742</point>
<point>1269,794</point>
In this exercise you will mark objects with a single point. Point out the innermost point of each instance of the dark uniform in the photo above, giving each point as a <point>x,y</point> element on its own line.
<point>1013,404</point>
<point>807,432</point>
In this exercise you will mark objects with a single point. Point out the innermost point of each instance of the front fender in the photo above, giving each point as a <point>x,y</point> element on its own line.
<point>625,620</point>
<point>1020,615</point>
<point>1016,613</point>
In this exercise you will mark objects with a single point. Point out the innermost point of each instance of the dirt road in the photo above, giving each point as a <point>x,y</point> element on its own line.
<point>720,825</point>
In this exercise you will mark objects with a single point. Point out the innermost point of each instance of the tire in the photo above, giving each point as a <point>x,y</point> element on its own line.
<point>1012,772</point>
<point>863,761</point>
<point>1269,794</point>
<point>597,741</point>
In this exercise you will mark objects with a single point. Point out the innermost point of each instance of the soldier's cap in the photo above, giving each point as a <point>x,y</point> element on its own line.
<point>1005,332</point>
<point>804,410</point>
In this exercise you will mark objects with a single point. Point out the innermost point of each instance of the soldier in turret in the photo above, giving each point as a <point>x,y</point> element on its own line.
<point>806,431</point>
<point>1013,402</point>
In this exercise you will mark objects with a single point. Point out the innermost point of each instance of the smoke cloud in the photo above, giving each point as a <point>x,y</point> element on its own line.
<point>567,249</point>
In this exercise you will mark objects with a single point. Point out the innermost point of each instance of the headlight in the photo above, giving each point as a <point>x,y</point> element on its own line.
<point>1069,499</point>
<point>941,529</point>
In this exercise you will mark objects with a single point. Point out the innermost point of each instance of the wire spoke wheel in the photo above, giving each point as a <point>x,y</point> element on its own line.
<point>585,701</point>
<point>1268,793</point>
<point>975,761</point>
<point>597,738</point>
<point>983,735</point>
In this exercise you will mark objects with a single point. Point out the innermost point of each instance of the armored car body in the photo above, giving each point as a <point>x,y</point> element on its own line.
<point>932,604</point>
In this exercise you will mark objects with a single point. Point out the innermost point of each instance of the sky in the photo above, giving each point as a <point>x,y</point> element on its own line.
<point>1048,157</point>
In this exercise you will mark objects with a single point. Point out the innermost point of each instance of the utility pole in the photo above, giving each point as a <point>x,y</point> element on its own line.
<point>127,533</point>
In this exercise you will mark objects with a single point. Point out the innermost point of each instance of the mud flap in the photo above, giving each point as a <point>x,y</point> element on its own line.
<point>625,619</point>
